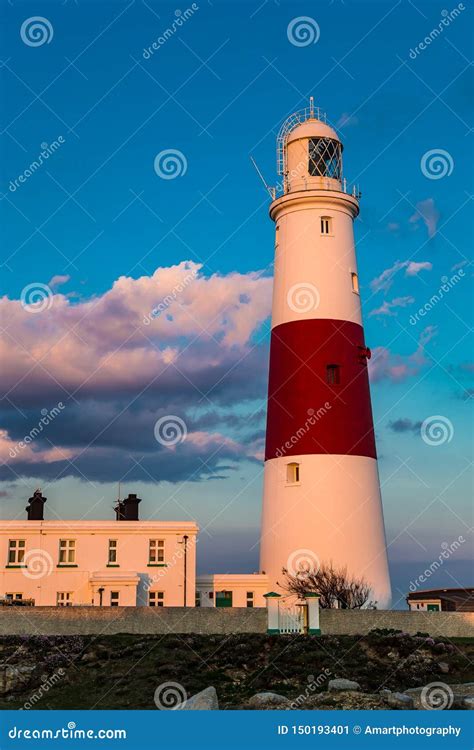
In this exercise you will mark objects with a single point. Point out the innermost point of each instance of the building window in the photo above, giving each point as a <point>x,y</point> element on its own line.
<point>355,283</point>
<point>114,598</point>
<point>333,374</point>
<point>16,551</point>
<point>67,551</point>
<point>197,600</point>
<point>156,552</point>
<point>211,595</point>
<point>14,597</point>
<point>293,473</point>
<point>112,552</point>
<point>249,598</point>
<point>325,158</point>
<point>64,599</point>
<point>326,225</point>
<point>156,599</point>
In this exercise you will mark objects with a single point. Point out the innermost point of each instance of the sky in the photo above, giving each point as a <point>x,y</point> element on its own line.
<point>136,268</point>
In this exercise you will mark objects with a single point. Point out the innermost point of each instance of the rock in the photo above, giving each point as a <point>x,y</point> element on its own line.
<point>468,703</point>
<point>268,700</point>
<point>443,667</point>
<point>385,692</point>
<point>89,656</point>
<point>341,684</point>
<point>206,700</point>
<point>14,678</point>
<point>400,700</point>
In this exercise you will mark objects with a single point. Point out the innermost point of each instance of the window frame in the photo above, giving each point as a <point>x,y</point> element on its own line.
<point>16,552</point>
<point>14,596</point>
<point>250,599</point>
<point>156,553</point>
<point>67,549</point>
<point>355,286</point>
<point>112,553</point>
<point>115,598</point>
<point>293,473</point>
<point>326,223</point>
<point>335,378</point>
<point>156,598</point>
<point>64,598</point>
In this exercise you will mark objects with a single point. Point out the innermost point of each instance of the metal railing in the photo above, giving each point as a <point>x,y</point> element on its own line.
<point>343,186</point>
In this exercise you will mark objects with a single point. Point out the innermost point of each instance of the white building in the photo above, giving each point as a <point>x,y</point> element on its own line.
<point>126,562</point>
<point>232,590</point>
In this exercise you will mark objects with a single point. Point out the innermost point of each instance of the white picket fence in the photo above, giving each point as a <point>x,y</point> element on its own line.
<point>291,619</point>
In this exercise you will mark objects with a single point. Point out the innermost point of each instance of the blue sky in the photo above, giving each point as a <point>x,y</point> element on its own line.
<point>217,91</point>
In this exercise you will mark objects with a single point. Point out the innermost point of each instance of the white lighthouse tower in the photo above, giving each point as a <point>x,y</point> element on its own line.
<point>322,498</point>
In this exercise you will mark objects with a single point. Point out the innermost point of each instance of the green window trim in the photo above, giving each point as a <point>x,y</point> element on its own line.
<point>16,565</point>
<point>157,565</point>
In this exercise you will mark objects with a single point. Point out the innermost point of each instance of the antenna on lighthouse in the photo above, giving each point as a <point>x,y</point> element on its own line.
<point>311,107</point>
<point>269,189</point>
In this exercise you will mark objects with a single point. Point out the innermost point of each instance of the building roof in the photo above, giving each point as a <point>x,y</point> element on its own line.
<point>452,594</point>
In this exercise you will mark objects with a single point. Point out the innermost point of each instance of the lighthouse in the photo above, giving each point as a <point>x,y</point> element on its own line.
<point>322,501</point>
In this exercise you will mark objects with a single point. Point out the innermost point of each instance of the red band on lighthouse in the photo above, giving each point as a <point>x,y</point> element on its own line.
<point>318,398</point>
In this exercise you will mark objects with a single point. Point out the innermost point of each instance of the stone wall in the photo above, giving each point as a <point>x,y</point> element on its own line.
<point>96,620</point>
<point>360,622</point>
<point>209,620</point>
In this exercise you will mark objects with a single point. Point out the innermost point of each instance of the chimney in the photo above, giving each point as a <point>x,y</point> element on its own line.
<point>35,507</point>
<point>130,508</point>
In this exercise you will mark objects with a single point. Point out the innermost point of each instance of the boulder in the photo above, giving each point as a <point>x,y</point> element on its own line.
<point>13,678</point>
<point>443,667</point>
<point>206,700</point>
<point>400,700</point>
<point>268,700</point>
<point>342,684</point>
<point>468,703</point>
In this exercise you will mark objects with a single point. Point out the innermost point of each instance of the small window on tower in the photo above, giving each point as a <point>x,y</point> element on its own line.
<point>355,283</point>
<point>293,473</point>
<point>326,225</point>
<point>333,374</point>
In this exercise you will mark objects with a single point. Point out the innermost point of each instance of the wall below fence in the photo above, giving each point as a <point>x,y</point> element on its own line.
<point>109,620</point>
<point>361,621</point>
<point>207,620</point>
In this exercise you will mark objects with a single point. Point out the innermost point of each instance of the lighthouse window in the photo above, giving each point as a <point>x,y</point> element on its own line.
<point>355,283</point>
<point>326,224</point>
<point>325,158</point>
<point>293,473</point>
<point>333,374</point>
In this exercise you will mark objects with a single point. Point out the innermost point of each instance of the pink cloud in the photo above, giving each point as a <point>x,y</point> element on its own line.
<point>58,281</point>
<point>385,365</point>
<point>387,307</point>
<point>428,213</point>
<point>385,280</point>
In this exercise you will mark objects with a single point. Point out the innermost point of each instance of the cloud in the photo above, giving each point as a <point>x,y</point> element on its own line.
<point>385,280</point>
<point>57,281</point>
<point>404,425</point>
<point>385,365</point>
<point>428,213</point>
<point>346,120</point>
<point>387,307</point>
<point>173,343</point>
